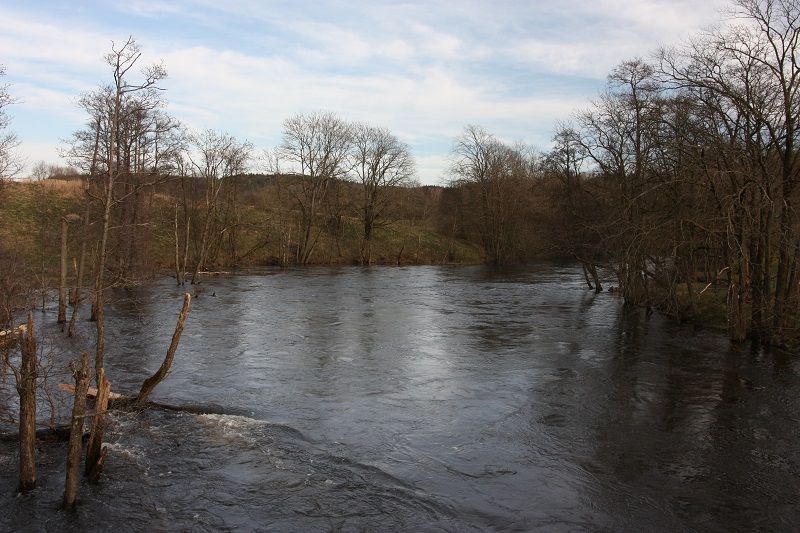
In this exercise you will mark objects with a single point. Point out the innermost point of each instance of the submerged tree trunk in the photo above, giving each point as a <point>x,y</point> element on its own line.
<point>81,269</point>
<point>586,275</point>
<point>82,376</point>
<point>95,452</point>
<point>737,323</point>
<point>178,276</point>
<point>26,386</point>
<point>598,285</point>
<point>151,382</point>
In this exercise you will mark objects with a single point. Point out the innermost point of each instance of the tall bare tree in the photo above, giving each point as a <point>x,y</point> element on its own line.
<point>620,135</point>
<point>118,112</point>
<point>381,164</point>
<point>10,163</point>
<point>316,147</point>
<point>217,160</point>
<point>745,77</point>
<point>575,210</point>
<point>493,178</point>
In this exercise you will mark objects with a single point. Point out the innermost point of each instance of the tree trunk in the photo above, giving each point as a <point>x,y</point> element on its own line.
<point>82,377</point>
<point>84,236</point>
<point>151,382</point>
<point>95,453</point>
<point>598,285</point>
<point>81,269</point>
<point>185,259</point>
<point>26,386</point>
<point>737,327</point>
<point>177,250</point>
<point>203,250</point>
<point>586,275</point>
<point>62,288</point>
<point>99,293</point>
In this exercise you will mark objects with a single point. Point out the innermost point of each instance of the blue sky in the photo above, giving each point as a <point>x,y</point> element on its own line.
<point>423,69</point>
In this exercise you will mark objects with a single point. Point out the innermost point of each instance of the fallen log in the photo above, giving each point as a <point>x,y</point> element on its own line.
<point>128,403</point>
<point>60,433</point>
<point>91,393</point>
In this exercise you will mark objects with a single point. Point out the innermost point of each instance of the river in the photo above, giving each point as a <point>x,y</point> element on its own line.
<point>429,398</point>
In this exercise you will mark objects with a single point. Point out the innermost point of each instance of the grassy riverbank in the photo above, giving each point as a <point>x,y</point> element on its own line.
<point>264,233</point>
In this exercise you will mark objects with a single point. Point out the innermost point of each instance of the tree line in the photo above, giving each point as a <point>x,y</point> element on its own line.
<point>682,176</point>
<point>679,181</point>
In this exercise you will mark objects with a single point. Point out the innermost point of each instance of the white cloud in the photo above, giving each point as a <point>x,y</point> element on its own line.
<point>422,68</point>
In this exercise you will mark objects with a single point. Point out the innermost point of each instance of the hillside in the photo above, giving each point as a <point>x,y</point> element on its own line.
<point>256,227</point>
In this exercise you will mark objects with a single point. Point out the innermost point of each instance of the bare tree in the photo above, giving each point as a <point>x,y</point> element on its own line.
<point>620,135</point>
<point>493,177</point>
<point>745,78</point>
<point>381,164</point>
<point>218,159</point>
<point>317,147</point>
<point>26,386</point>
<point>10,163</point>
<point>574,207</point>
<point>82,376</point>
<point>117,110</point>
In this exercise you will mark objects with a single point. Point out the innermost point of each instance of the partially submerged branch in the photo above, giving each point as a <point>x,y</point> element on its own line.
<point>158,377</point>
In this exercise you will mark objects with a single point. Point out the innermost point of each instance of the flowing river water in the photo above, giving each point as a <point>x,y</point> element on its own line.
<point>428,399</point>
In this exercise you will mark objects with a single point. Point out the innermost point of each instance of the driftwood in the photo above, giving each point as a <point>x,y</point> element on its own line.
<point>122,402</point>
<point>91,392</point>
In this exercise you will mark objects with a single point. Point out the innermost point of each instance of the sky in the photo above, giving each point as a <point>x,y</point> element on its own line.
<point>423,69</point>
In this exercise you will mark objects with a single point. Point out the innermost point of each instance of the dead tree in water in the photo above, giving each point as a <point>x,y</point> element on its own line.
<point>26,386</point>
<point>151,382</point>
<point>95,451</point>
<point>82,376</point>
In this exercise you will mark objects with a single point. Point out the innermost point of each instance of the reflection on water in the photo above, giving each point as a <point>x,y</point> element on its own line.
<point>433,399</point>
